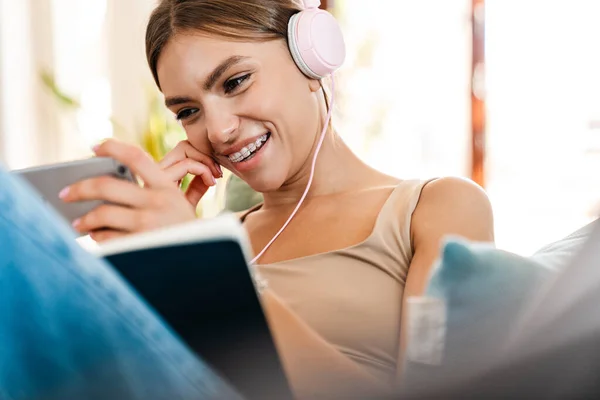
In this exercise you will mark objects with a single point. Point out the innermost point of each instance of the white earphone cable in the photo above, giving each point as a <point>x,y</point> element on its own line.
<point>312,172</point>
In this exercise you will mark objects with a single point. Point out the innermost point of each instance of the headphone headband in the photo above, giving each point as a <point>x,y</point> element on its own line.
<point>316,41</point>
<point>311,4</point>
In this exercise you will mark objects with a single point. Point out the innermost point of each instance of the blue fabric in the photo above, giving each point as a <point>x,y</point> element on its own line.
<point>484,290</point>
<point>70,328</point>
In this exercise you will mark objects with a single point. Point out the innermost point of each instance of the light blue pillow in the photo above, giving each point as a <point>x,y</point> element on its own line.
<point>484,289</point>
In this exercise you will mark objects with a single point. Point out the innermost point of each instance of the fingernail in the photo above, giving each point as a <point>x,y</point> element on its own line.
<point>97,145</point>
<point>76,223</point>
<point>220,170</point>
<point>63,193</point>
<point>214,181</point>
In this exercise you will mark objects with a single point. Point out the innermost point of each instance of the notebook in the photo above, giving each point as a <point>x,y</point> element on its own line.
<point>196,276</point>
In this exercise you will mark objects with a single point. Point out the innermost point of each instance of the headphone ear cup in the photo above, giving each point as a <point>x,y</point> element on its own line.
<point>316,43</point>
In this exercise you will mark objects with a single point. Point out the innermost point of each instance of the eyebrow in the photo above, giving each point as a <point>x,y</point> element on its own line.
<point>220,70</point>
<point>210,81</point>
<point>173,101</point>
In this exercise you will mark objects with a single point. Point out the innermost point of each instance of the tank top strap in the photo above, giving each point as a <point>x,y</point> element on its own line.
<point>392,231</point>
<point>243,214</point>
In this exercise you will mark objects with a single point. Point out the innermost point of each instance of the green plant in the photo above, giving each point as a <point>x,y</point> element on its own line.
<point>62,98</point>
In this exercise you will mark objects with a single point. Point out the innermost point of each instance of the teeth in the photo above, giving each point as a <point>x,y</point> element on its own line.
<point>249,149</point>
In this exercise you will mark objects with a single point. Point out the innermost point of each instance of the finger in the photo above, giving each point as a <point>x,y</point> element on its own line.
<point>196,190</point>
<point>105,188</point>
<point>178,171</point>
<point>112,217</point>
<point>104,235</point>
<point>137,159</point>
<point>184,150</point>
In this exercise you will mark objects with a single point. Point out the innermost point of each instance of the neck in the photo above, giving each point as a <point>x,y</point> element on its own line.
<point>337,170</point>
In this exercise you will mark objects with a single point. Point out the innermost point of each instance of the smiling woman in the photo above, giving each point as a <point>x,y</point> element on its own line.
<point>261,119</point>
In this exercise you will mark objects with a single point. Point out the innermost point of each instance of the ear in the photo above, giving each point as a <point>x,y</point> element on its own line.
<point>314,85</point>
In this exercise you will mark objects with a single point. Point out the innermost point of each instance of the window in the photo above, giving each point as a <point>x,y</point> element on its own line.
<point>543,97</point>
<point>404,105</point>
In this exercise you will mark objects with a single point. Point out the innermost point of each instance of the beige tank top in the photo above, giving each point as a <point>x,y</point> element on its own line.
<point>352,297</point>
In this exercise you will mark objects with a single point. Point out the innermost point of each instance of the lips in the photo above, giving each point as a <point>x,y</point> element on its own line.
<point>240,145</point>
<point>248,151</point>
<point>250,160</point>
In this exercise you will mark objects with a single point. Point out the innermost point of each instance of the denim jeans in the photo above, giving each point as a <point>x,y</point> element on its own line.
<point>70,328</point>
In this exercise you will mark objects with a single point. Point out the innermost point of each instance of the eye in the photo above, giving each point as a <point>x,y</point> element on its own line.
<point>186,113</point>
<point>233,84</point>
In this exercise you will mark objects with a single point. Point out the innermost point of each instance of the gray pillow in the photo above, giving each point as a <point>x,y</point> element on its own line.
<point>557,255</point>
<point>239,196</point>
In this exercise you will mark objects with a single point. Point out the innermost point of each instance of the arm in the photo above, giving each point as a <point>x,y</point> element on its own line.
<point>448,206</point>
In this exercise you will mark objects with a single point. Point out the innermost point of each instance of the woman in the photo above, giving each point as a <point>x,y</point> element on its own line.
<point>361,243</point>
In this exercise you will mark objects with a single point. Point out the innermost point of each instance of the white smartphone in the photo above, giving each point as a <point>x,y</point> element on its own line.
<point>49,180</point>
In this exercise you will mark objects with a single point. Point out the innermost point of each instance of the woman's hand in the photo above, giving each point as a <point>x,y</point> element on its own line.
<point>133,208</point>
<point>183,159</point>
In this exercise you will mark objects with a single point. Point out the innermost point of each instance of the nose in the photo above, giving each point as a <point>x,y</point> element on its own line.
<point>221,125</point>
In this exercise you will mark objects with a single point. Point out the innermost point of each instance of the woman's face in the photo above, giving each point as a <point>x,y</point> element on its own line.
<point>244,103</point>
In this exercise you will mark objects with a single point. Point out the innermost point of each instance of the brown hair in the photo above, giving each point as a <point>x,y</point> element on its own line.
<point>258,20</point>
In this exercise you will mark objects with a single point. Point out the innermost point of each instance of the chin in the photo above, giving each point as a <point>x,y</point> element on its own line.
<point>265,184</point>
<point>262,182</point>
<point>265,173</point>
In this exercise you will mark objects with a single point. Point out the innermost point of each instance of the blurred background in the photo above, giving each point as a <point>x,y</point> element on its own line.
<point>503,92</point>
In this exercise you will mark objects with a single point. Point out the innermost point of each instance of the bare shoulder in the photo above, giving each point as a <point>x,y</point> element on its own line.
<point>453,206</point>
<point>450,192</point>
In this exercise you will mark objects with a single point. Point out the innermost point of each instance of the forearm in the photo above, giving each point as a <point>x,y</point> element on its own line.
<point>315,368</point>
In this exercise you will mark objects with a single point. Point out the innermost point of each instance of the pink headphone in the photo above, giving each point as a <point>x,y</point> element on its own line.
<point>315,41</point>
<point>318,49</point>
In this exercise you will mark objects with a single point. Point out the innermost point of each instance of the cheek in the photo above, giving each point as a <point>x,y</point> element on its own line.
<point>263,103</point>
<point>198,139</point>
<point>287,110</point>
